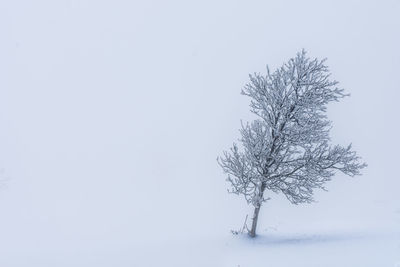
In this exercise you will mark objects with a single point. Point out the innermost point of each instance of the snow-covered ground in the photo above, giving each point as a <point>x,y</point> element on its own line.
<point>112,114</point>
<point>351,248</point>
<point>346,249</point>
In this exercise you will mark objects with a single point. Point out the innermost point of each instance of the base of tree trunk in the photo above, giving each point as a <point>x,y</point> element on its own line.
<point>252,232</point>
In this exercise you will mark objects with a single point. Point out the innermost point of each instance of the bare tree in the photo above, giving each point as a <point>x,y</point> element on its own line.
<point>286,149</point>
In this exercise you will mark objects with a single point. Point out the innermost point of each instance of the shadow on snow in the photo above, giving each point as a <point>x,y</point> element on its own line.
<point>274,239</point>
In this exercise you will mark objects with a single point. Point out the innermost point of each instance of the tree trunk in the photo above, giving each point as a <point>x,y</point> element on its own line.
<point>252,232</point>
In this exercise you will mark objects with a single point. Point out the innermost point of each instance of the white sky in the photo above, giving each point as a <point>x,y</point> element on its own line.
<point>112,114</point>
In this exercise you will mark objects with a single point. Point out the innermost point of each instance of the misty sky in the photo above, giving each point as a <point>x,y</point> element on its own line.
<point>112,114</point>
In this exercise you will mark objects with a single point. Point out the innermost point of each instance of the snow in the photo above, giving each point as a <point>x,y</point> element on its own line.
<point>277,249</point>
<point>112,116</point>
<point>336,249</point>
